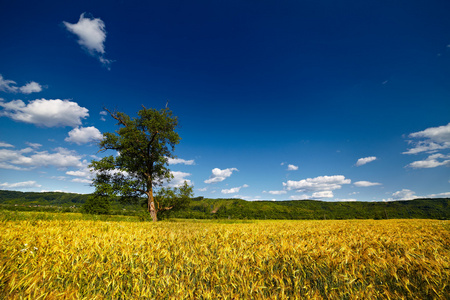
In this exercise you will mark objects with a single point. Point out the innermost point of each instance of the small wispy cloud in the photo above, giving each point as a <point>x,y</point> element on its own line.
<point>430,140</point>
<point>176,161</point>
<point>91,35</point>
<point>292,168</point>
<point>16,185</point>
<point>10,86</point>
<point>365,183</point>
<point>365,160</point>
<point>234,190</point>
<point>219,175</point>
<point>281,192</point>
<point>432,161</point>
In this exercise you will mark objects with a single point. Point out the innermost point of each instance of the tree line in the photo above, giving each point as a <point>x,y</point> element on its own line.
<point>203,208</point>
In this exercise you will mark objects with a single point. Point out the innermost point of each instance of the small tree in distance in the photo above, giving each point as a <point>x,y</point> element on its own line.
<point>143,146</point>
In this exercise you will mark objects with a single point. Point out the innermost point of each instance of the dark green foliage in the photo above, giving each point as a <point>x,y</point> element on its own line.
<point>45,198</point>
<point>200,208</point>
<point>144,144</point>
<point>312,209</point>
<point>97,205</point>
<point>170,200</point>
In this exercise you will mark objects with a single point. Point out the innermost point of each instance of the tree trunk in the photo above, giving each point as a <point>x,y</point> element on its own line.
<point>151,205</point>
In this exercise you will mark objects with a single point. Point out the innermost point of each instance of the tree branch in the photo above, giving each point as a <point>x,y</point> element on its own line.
<point>114,115</point>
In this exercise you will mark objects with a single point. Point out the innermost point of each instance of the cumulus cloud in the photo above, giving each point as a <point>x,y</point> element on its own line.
<point>365,183</point>
<point>6,145</point>
<point>47,113</point>
<point>91,35</point>
<point>175,161</point>
<point>431,140</point>
<point>292,168</point>
<point>404,194</point>
<point>83,174</point>
<point>31,87</point>
<point>219,175</point>
<point>24,184</point>
<point>276,192</point>
<point>365,160</point>
<point>84,135</point>
<point>323,194</point>
<point>29,158</point>
<point>233,190</point>
<point>179,178</point>
<point>320,183</point>
<point>10,86</point>
<point>432,161</point>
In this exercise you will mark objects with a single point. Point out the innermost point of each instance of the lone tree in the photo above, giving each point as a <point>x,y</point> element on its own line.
<point>143,146</point>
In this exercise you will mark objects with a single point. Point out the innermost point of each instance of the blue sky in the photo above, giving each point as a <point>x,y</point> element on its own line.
<point>335,101</point>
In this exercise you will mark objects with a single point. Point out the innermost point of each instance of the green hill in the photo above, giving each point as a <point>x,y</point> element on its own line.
<point>201,208</point>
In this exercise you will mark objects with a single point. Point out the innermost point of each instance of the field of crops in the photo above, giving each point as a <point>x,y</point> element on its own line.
<point>358,259</point>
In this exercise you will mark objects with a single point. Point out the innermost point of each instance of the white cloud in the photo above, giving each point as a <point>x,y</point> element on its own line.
<point>84,135</point>
<point>440,195</point>
<point>345,200</point>
<point>365,183</point>
<point>432,161</point>
<point>365,160</point>
<point>29,158</point>
<point>81,180</point>
<point>300,197</point>
<point>276,192</point>
<point>80,173</point>
<point>34,145</point>
<point>42,112</point>
<point>233,190</point>
<point>179,178</point>
<point>83,174</point>
<point>435,138</point>
<point>219,175</point>
<point>203,189</point>
<point>6,145</point>
<point>175,161</point>
<point>9,86</point>
<point>24,184</point>
<point>321,183</point>
<point>323,194</point>
<point>31,87</point>
<point>292,168</point>
<point>91,35</point>
<point>103,113</point>
<point>404,194</point>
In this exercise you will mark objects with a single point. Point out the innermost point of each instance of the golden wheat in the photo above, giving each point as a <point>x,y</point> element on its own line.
<point>364,259</point>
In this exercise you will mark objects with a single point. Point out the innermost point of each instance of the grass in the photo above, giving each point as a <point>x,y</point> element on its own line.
<point>51,256</point>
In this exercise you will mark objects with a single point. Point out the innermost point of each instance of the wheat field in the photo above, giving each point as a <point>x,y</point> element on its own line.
<point>354,259</point>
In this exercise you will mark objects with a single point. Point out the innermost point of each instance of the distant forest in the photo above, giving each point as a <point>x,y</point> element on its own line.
<point>203,208</point>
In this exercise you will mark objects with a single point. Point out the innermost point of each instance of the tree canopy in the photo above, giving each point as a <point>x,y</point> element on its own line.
<point>143,146</point>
